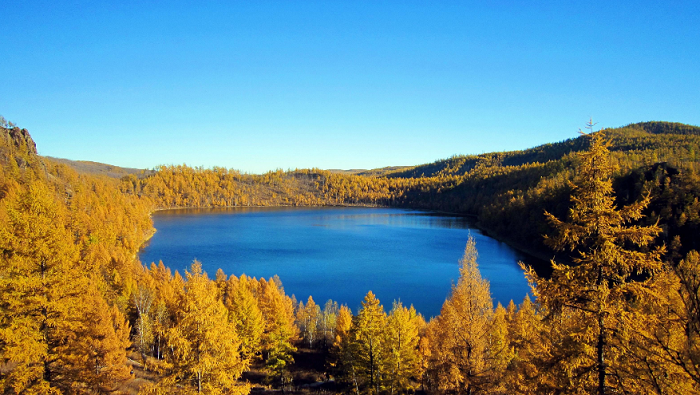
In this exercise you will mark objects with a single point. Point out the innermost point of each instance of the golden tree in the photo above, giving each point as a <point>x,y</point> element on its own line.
<point>664,343</point>
<point>341,359</point>
<point>525,332</point>
<point>368,338</point>
<point>204,350</point>
<point>308,317</point>
<point>401,358</point>
<point>500,350</point>
<point>245,315</point>
<point>685,315</point>
<point>327,324</point>
<point>41,288</point>
<point>595,295</point>
<point>460,337</point>
<point>99,365</point>
<point>280,331</point>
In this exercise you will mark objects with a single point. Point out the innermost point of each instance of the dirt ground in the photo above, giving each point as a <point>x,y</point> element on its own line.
<point>308,376</point>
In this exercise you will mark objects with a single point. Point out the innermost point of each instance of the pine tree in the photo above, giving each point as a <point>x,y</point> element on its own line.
<point>596,294</point>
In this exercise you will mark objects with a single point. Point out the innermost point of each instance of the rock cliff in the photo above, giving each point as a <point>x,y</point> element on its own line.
<point>18,139</point>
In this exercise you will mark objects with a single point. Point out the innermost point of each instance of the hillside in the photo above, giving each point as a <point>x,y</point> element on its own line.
<point>508,192</point>
<point>96,168</point>
<point>638,136</point>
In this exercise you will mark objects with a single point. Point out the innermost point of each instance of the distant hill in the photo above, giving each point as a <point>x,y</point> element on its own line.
<point>371,173</point>
<point>96,168</point>
<point>631,137</point>
<point>509,191</point>
<point>656,127</point>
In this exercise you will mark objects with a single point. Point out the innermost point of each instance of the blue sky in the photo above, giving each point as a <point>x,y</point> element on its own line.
<point>262,85</point>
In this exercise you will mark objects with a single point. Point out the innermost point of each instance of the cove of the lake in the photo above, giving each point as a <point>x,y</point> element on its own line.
<point>337,253</point>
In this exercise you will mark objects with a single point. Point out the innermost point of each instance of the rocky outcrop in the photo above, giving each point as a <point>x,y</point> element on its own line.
<point>19,139</point>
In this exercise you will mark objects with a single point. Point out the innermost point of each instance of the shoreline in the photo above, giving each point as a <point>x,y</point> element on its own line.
<point>538,256</point>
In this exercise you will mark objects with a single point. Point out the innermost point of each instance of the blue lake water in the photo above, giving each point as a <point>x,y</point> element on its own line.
<point>337,253</point>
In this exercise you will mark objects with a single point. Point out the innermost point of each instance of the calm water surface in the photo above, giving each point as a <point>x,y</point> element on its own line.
<point>337,253</point>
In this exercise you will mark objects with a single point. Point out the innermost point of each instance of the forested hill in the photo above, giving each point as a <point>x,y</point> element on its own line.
<point>634,136</point>
<point>508,192</point>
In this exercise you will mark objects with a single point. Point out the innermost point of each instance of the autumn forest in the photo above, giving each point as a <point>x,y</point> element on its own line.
<point>616,311</point>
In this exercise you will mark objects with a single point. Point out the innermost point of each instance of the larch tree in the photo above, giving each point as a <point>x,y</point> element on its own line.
<point>342,360</point>
<point>204,350</point>
<point>279,332</point>
<point>685,312</point>
<point>99,365</point>
<point>525,332</point>
<point>41,289</point>
<point>401,359</point>
<point>245,314</point>
<point>595,296</point>
<point>501,352</point>
<point>664,345</point>
<point>461,334</point>
<point>368,342</point>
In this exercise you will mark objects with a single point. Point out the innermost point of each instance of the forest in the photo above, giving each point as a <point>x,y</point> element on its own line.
<point>617,311</point>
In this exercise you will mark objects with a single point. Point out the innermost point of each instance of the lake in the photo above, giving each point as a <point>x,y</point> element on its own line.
<point>337,253</point>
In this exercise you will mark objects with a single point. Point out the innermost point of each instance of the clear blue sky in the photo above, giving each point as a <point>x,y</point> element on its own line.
<point>261,85</point>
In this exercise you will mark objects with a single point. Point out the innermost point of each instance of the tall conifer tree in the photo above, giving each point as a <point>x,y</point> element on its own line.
<point>369,331</point>
<point>41,290</point>
<point>401,347</point>
<point>203,346</point>
<point>592,297</point>
<point>461,345</point>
